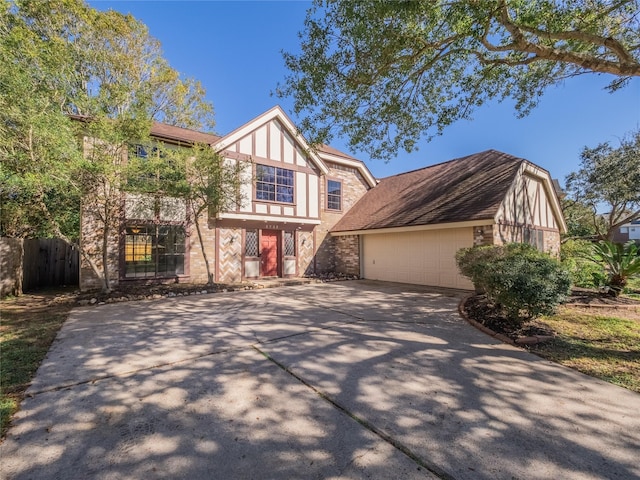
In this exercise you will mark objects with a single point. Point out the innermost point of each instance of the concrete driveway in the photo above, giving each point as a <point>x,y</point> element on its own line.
<point>330,381</point>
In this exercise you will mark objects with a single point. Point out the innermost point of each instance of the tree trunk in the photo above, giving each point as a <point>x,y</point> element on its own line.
<point>201,241</point>
<point>617,284</point>
<point>106,287</point>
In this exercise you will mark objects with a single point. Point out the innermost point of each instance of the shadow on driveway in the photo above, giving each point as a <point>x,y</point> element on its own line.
<point>344,380</point>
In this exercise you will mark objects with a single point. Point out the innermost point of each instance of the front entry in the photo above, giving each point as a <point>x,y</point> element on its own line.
<point>269,253</point>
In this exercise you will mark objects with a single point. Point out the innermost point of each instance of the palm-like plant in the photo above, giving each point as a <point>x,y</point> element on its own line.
<point>621,262</point>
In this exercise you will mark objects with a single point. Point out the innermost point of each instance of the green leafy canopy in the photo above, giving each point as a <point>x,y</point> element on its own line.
<point>606,188</point>
<point>386,73</point>
<point>81,86</point>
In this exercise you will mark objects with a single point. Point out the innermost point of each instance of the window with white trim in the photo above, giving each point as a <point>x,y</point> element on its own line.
<point>274,184</point>
<point>334,195</point>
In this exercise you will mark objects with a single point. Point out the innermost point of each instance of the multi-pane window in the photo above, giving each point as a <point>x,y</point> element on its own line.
<point>251,243</point>
<point>534,237</point>
<point>152,168</point>
<point>289,244</point>
<point>274,184</point>
<point>154,251</point>
<point>334,195</point>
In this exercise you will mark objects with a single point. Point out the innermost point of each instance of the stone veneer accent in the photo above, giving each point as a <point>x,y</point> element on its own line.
<point>353,188</point>
<point>230,261</point>
<point>483,235</point>
<point>552,242</point>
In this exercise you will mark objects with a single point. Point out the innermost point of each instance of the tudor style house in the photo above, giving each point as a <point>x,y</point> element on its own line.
<point>305,211</point>
<point>292,196</point>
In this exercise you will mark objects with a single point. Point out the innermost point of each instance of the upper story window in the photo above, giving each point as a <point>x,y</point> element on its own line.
<point>274,184</point>
<point>334,195</point>
<point>152,168</point>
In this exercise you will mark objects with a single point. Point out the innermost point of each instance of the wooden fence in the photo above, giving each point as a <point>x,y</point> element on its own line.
<point>49,262</point>
<point>30,264</point>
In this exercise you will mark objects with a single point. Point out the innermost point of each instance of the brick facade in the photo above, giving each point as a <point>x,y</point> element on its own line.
<point>91,237</point>
<point>197,265</point>
<point>267,139</point>
<point>329,255</point>
<point>483,235</point>
<point>503,233</point>
<point>347,252</point>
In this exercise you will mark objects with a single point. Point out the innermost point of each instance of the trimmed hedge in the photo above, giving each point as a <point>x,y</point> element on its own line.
<point>517,278</point>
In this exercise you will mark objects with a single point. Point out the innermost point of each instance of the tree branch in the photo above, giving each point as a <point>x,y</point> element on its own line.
<point>521,43</point>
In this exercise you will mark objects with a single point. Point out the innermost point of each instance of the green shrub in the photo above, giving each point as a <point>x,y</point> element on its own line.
<point>518,279</point>
<point>584,272</point>
<point>621,261</point>
<point>474,262</point>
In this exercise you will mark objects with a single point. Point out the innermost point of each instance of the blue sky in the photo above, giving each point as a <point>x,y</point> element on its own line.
<point>234,48</point>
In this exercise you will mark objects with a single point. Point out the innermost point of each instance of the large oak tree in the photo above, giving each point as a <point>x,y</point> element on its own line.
<point>71,72</point>
<point>385,73</point>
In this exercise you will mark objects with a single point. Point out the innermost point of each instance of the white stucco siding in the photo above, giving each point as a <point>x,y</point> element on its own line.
<point>289,149</point>
<point>275,142</point>
<point>139,207</point>
<point>421,257</point>
<point>271,140</point>
<point>261,142</point>
<point>245,145</point>
<point>314,197</point>
<point>301,158</point>
<point>301,194</point>
<point>527,203</point>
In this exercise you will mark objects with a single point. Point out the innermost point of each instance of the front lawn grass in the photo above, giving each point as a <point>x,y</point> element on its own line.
<point>28,326</point>
<point>601,343</point>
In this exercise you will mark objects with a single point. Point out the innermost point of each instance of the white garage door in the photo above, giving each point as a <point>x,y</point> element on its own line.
<point>424,257</point>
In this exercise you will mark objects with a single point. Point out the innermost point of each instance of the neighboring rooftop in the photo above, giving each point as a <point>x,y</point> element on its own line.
<point>467,188</point>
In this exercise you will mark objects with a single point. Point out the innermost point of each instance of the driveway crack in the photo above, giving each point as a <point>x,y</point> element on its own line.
<point>427,465</point>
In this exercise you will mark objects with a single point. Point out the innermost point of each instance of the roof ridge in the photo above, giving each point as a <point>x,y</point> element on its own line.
<point>454,160</point>
<point>185,128</point>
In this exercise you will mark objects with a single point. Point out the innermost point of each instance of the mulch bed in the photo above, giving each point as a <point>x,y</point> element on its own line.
<point>479,309</point>
<point>584,296</point>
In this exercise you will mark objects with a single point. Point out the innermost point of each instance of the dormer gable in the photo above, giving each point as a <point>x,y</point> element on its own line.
<point>271,136</point>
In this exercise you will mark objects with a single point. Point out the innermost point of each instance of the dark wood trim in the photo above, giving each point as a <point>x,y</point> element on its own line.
<point>216,274</point>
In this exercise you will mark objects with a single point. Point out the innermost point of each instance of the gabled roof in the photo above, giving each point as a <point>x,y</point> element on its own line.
<point>276,113</point>
<point>170,133</point>
<point>460,190</point>
<point>333,155</point>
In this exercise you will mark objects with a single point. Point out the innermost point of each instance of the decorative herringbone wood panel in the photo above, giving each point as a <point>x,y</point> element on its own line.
<point>305,253</point>
<point>230,262</point>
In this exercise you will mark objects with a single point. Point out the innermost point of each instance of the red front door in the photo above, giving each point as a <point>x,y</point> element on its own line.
<point>269,253</point>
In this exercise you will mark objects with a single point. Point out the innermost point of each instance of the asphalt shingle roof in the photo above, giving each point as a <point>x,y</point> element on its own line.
<point>467,188</point>
<point>180,134</point>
